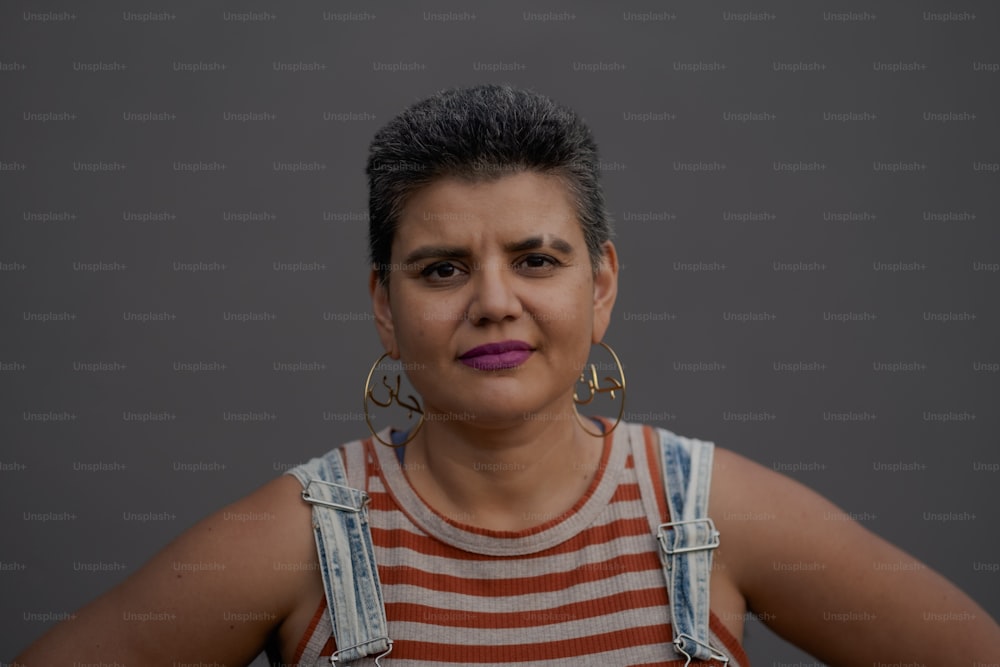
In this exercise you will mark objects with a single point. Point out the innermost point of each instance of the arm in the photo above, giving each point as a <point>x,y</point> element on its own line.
<point>169,611</point>
<point>822,582</point>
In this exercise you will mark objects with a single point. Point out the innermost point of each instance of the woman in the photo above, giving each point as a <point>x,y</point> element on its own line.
<point>507,528</point>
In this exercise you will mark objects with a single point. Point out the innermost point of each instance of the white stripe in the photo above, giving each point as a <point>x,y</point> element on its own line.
<point>375,484</point>
<point>545,630</point>
<point>585,592</point>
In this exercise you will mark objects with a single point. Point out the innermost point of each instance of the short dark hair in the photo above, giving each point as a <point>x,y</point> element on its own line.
<point>481,133</point>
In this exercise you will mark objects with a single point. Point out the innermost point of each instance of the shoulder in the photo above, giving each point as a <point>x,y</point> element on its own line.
<point>808,568</point>
<point>767,517</point>
<point>264,537</point>
<point>225,584</point>
<point>340,458</point>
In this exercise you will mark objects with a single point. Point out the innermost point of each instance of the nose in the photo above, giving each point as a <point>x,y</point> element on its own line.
<point>494,297</point>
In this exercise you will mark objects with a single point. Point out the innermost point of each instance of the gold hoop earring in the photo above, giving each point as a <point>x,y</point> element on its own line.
<point>412,406</point>
<point>593,386</point>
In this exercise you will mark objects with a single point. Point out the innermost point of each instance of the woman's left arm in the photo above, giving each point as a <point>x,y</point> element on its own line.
<point>832,587</point>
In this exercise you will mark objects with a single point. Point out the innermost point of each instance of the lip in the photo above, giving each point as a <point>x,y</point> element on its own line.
<point>497,356</point>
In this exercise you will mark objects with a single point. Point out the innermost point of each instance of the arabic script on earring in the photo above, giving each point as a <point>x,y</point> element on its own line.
<point>410,402</point>
<point>609,386</point>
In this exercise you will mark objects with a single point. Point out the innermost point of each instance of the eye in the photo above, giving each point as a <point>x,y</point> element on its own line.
<point>440,271</point>
<point>538,263</point>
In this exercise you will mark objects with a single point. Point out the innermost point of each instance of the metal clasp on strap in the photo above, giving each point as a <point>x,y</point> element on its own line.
<point>336,654</point>
<point>346,491</point>
<point>661,535</point>
<point>718,655</point>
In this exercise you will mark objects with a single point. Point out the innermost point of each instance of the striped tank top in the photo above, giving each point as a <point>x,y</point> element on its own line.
<point>586,588</point>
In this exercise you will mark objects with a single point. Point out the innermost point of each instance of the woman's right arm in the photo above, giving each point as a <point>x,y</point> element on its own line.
<point>213,595</point>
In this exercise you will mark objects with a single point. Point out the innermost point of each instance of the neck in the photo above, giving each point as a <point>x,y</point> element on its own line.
<point>503,478</point>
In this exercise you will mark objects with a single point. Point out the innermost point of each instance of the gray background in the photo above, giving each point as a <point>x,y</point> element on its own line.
<point>881,285</point>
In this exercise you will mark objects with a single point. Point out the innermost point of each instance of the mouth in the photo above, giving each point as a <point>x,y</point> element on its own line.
<point>497,356</point>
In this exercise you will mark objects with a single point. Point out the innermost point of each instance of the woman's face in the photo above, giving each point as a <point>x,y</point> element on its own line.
<point>492,303</point>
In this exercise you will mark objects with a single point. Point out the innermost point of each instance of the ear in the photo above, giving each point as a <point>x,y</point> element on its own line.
<point>605,290</point>
<point>383,314</point>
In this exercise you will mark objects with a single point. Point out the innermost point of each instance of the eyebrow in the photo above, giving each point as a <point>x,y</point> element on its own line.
<point>536,242</point>
<point>459,252</point>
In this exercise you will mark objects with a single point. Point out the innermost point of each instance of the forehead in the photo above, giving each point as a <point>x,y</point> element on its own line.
<point>517,205</point>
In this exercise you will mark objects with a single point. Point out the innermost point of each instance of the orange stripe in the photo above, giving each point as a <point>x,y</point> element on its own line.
<point>653,457</point>
<point>626,493</point>
<point>382,501</point>
<point>577,611</point>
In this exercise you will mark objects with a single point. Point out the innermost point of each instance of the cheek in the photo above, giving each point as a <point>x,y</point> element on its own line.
<point>420,332</point>
<point>410,331</point>
<point>569,338</point>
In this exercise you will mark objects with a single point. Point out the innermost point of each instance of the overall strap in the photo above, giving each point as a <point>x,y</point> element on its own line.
<point>346,559</point>
<point>687,541</point>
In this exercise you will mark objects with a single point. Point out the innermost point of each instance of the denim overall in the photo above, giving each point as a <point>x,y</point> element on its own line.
<point>350,575</point>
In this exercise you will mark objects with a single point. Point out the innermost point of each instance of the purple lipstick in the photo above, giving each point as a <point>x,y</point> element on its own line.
<point>497,356</point>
